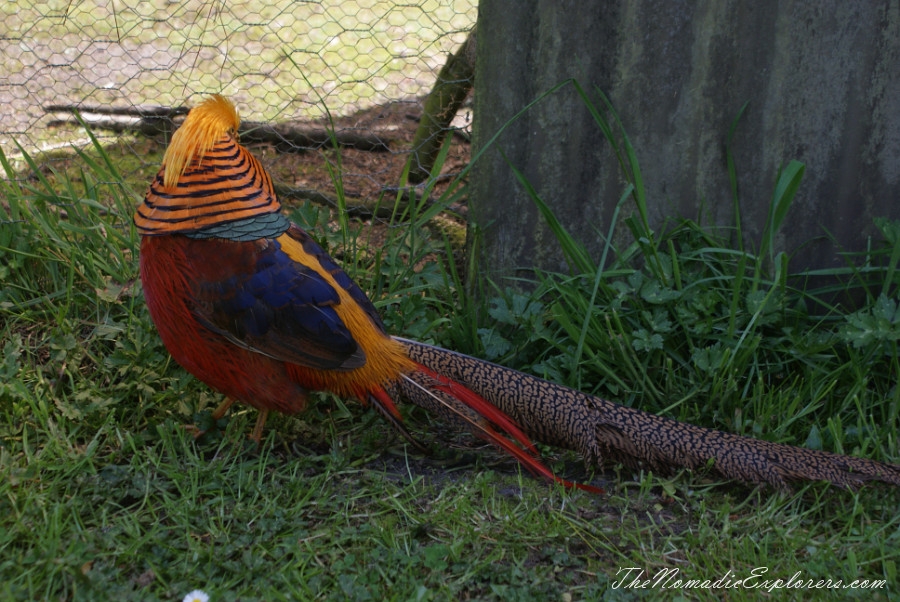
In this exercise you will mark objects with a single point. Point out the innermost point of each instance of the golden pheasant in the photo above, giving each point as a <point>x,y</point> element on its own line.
<point>253,307</point>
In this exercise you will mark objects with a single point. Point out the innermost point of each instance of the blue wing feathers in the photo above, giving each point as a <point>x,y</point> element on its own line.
<point>263,300</point>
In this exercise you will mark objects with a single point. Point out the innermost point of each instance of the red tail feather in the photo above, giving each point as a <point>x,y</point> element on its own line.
<point>385,401</point>
<point>484,409</point>
<point>511,438</point>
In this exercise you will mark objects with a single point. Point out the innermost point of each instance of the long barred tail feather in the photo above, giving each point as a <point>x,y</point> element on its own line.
<point>602,431</point>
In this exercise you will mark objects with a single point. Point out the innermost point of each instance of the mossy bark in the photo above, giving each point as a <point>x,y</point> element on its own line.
<point>454,82</point>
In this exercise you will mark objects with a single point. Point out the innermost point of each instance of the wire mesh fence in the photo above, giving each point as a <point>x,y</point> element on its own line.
<point>282,61</point>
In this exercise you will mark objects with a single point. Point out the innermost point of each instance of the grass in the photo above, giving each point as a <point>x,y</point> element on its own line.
<point>104,495</point>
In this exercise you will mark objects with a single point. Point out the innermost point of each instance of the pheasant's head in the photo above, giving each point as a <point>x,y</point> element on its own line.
<point>204,126</point>
<point>207,178</point>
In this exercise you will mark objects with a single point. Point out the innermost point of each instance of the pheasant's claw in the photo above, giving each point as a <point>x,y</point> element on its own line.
<point>208,424</point>
<point>194,430</point>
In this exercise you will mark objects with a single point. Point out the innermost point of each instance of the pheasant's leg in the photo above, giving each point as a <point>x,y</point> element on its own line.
<point>256,434</point>
<point>223,407</point>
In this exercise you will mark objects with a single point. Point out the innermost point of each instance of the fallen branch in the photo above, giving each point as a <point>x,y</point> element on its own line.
<point>361,208</point>
<point>160,121</point>
<point>288,138</point>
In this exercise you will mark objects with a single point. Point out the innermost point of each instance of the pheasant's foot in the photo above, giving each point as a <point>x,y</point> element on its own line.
<point>256,434</point>
<point>205,422</point>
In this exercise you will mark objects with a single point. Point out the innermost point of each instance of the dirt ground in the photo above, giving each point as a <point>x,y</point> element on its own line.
<point>368,174</point>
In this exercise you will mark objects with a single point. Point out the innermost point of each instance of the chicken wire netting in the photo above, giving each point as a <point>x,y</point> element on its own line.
<point>283,61</point>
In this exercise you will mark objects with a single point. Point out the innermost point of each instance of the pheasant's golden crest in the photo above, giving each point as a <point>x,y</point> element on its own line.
<point>207,177</point>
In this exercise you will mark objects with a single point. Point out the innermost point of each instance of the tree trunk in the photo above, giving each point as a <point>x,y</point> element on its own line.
<point>822,83</point>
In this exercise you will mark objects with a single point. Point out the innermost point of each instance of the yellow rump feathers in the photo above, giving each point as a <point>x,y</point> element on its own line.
<point>202,128</point>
